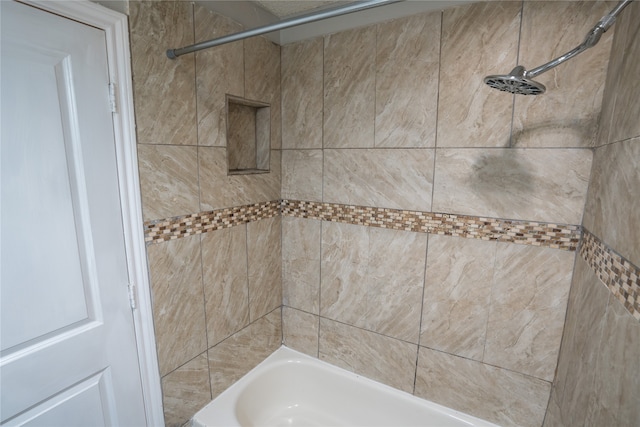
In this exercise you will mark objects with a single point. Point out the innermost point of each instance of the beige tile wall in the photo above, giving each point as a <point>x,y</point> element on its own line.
<point>498,304</point>
<point>216,296</point>
<point>548,185</point>
<point>394,116</point>
<point>598,381</point>
<point>349,89</point>
<point>477,40</point>
<point>508,398</point>
<point>438,140</point>
<point>567,115</point>
<point>407,66</point>
<point>372,278</point>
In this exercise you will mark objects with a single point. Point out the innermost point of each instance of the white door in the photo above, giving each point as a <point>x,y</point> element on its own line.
<point>68,350</point>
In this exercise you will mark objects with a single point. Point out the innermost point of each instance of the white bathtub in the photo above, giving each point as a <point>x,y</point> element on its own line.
<point>292,389</point>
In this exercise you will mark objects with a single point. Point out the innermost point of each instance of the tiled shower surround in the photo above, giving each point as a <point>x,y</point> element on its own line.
<point>416,227</point>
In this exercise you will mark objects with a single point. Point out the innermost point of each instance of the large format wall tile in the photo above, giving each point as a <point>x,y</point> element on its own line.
<point>567,114</point>
<point>262,80</point>
<point>349,88</point>
<point>164,90</point>
<point>345,254</point>
<point>301,264</point>
<point>264,258</point>
<point>477,40</point>
<point>302,175</point>
<point>532,184</point>
<point>300,330</point>
<point>388,178</point>
<point>168,180</point>
<point>302,94</point>
<point>528,307</point>
<point>219,190</point>
<point>185,391</point>
<point>219,71</point>
<point>407,66</point>
<point>230,359</point>
<point>178,307</point>
<point>373,278</point>
<point>616,402</point>
<point>497,395</point>
<point>457,295</point>
<point>380,358</point>
<point>613,205</point>
<point>226,289</point>
<point>573,386</point>
<point>241,352</point>
<point>395,282</point>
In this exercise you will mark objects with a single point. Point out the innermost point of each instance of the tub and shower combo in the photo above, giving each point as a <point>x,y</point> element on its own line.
<point>293,389</point>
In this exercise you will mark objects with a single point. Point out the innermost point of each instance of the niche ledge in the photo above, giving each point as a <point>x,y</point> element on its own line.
<point>248,136</point>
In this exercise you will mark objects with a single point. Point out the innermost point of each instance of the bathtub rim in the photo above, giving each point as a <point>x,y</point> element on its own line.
<point>283,355</point>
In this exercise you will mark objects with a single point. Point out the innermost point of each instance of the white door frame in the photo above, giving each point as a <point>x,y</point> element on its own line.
<point>116,31</point>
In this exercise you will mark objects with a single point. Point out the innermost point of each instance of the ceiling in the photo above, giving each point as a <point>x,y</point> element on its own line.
<point>257,13</point>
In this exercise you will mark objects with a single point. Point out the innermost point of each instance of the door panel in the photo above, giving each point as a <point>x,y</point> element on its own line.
<point>53,256</point>
<point>89,401</point>
<point>68,352</point>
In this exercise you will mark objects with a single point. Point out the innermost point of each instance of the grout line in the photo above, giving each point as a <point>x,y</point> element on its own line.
<point>501,368</point>
<point>424,285</point>
<point>246,248</point>
<point>369,330</point>
<point>204,303</point>
<point>513,101</point>
<point>486,324</point>
<point>375,83</point>
<point>435,137</point>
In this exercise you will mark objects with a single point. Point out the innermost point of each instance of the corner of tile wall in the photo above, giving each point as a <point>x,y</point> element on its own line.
<point>597,374</point>
<point>620,106</point>
<point>300,330</point>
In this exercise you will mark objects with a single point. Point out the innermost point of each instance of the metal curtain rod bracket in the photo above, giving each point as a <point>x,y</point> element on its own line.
<point>276,26</point>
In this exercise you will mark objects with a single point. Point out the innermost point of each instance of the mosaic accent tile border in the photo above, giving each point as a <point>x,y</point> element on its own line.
<point>566,237</point>
<point>202,222</point>
<point>617,273</point>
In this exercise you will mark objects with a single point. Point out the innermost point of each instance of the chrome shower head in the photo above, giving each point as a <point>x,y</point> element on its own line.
<point>515,82</point>
<point>519,80</point>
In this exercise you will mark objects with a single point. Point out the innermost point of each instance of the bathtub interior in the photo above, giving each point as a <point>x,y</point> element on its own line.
<point>292,389</point>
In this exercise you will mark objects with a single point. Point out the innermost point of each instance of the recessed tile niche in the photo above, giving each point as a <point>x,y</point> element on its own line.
<point>248,136</point>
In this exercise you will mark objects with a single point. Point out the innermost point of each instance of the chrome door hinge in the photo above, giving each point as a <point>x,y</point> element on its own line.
<point>113,104</point>
<point>132,296</point>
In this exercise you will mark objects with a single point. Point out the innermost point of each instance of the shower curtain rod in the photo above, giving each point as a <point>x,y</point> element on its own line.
<point>281,25</point>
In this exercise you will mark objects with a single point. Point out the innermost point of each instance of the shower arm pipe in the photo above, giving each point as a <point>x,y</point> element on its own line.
<point>593,37</point>
<point>281,25</point>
